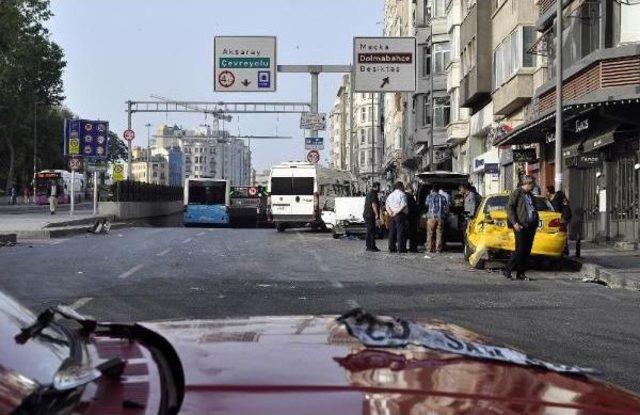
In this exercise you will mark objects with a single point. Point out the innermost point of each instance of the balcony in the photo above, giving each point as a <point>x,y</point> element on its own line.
<point>513,94</point>
<point>475,86</point>
<point>457,132</point>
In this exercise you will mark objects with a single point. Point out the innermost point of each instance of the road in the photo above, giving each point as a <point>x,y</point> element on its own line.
<point>150,273</point>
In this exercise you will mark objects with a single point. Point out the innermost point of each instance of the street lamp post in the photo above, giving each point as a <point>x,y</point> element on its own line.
<point>559,70</point>
<point>35,146</point>
<point>148,125</point>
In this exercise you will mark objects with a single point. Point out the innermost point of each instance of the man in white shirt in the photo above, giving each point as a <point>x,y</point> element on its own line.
<point>396,207</point>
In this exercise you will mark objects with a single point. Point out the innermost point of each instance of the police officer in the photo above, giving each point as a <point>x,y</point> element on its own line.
<point>372,216</point>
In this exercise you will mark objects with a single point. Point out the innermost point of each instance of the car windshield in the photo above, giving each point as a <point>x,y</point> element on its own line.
<point>500,203</point>
<point>225,178</point>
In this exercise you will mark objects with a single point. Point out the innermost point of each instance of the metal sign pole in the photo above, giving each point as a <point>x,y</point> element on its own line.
<point>73,191</point>
<point>95,193</point>
<point>559,70</point>
<point>373,139</point>
<point>314,98</point>
<point>129,152</point>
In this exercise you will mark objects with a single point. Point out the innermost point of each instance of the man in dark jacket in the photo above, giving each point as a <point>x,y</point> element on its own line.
<point>523,218</point>
<point>412,219</point>
<point>372,216</point>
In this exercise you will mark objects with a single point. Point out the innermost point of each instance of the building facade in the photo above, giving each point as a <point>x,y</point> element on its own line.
<point>601,100</point>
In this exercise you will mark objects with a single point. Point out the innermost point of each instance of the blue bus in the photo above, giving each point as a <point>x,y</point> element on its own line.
<point>206,202</point>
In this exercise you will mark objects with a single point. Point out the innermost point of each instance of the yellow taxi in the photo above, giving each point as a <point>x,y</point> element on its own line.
<point>488,236</point>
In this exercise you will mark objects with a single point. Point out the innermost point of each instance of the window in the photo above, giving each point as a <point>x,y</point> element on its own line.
<point>362,157</point>
<point>426,111</point>
<point>439,8</point>
<point>426,61</point>
<point>511,55</point>
<point>362,137</point>
<point>441,111</point>
<point>441,57</point>
<point>363,114</point>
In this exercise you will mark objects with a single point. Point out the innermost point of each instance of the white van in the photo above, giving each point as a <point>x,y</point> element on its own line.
<point>294,195</point>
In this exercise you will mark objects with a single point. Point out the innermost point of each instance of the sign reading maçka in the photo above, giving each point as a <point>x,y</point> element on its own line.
<point>384,64</point>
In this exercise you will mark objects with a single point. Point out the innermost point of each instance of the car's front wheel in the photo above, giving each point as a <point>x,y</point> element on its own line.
<point>280,227</point>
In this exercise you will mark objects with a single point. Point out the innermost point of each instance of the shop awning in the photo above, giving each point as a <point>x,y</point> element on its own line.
<point>600,141</point>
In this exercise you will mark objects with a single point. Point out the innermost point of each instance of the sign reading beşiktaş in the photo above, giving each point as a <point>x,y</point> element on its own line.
<point>244,63</point>
<point>384,64</point>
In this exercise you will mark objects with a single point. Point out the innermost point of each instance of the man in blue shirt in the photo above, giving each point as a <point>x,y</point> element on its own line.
<point>437,211</point>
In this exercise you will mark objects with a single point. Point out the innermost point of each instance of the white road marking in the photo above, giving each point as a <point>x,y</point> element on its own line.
<point>353,304</point>
<point>337,284</point>
<point>163,253</point>
<point>131,271</point>
<point>200,234</point>
<point>81,302</point>
<point>186,241</point>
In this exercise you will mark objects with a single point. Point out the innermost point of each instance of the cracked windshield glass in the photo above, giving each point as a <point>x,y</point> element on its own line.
<point>319,207</point>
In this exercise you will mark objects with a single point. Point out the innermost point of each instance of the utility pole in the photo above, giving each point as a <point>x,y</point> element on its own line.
<point>129,152</point>
<point>373,139</point>
<point>148,125</point>
<point>431,108</point>
<point>352,168</point>
<point>559,70</point>
<point>35,147</point>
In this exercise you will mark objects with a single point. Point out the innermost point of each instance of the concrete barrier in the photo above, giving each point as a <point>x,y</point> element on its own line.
<point>138,210</point>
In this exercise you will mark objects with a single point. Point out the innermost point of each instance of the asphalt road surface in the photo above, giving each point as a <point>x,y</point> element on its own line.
<point>148,273</point>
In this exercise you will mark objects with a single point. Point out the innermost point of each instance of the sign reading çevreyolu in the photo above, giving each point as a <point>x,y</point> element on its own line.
<point>86,138</point>
<point>244,63</point>
<point>384,64</point>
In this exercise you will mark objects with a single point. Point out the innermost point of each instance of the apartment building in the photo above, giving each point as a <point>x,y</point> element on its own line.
<point>358,150</point>
<point>414,120</point>
<point>601,100</point>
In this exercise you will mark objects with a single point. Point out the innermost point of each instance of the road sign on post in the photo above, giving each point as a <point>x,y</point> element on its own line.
<point>313,156</point>
<point>314,143</point>
<point>75,163</point>
<point>129,135</point>
<point>118,173</point>
<point>88,138</point>
<point>244,63</point>
<point>312,121</point>
<point>384,64</point>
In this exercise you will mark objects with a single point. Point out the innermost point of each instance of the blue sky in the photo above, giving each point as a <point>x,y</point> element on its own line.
<point>128,49</point>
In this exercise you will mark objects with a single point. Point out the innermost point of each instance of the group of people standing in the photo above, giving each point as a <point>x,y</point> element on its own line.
<point>403,213</point>
<point>13,195</point>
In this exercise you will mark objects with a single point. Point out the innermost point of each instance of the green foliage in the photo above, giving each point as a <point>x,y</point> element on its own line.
<point>31,68</point>
<point>117,148</point>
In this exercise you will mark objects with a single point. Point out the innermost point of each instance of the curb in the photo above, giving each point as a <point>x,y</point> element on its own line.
<point>628,279</point>
<point>60,232</point>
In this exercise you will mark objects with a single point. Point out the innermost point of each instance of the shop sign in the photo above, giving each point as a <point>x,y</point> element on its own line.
<point>582,125</point>
<point>492,168</point>
<point>525,155</point>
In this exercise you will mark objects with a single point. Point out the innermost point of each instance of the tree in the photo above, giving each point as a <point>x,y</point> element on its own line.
<point>30,79</point>
<point>118,149</point>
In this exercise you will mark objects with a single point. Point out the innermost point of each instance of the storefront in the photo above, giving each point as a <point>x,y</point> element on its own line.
<point>486,172</point>
<point>601,174</point>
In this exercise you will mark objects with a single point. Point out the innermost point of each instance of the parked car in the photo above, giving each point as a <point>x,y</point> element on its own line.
<point>265,365</point>
<point>450,183</point>
<point>489,231</point>
<point>348,217</point>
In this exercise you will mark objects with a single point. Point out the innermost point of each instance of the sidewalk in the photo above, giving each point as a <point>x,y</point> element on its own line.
<point>605,264</point>
<point>45,226</point>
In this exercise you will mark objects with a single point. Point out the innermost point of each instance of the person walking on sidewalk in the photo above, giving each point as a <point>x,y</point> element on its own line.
<point>52,193</point>
<point>396,206</point>
<point>372,216</point>
<point>413,212</point>
<point>437,210</point>
<point>523,218</point>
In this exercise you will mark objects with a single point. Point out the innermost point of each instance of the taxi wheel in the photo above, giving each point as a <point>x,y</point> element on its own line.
<point>280,227</point>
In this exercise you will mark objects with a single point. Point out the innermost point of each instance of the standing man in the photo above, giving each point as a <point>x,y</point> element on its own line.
<point>437,210</point>
<point>396,206</point>
<point>372,216</point>
<point>413,213</point>
<point>523,218</point>
<point>52,193</point>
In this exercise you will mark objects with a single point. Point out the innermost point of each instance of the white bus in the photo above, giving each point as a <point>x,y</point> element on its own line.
<point>294,195</point>
<point>63,180</point>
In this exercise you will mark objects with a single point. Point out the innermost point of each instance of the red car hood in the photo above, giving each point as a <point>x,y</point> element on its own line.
<point>311,365</point>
